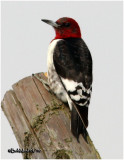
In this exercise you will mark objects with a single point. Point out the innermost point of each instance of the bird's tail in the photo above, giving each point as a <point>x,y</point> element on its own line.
<point>77,126</point>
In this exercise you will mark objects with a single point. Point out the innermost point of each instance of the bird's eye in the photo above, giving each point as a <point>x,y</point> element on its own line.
<point>67,24</point>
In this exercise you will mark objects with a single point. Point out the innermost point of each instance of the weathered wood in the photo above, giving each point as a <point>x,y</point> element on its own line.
<point>40,121</point>
<point>21,127</point>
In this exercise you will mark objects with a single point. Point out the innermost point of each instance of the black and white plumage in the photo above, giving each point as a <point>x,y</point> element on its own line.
<point>70,78</point>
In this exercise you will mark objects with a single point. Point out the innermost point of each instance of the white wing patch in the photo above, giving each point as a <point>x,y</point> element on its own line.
<point>75,97</point>
<point>69,84</point>
<point>77,92</point>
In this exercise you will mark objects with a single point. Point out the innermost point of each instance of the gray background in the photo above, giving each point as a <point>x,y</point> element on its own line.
<point>25,41</point>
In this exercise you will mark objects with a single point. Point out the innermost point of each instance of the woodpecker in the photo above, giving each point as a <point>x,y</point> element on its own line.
<point>70,71</point>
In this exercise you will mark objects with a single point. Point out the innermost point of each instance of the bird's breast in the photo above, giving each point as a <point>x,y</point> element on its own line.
<point>53,78</point>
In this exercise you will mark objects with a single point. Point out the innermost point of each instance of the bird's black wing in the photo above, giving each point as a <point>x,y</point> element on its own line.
<point>73,64</point>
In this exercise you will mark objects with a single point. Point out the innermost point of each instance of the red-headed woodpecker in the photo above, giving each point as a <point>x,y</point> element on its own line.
<point>70,71</point>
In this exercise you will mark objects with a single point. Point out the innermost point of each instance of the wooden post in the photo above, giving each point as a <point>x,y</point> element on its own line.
<point>41,123</point>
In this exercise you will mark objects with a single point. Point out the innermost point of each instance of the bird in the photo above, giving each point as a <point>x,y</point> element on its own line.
<point>69,63</point>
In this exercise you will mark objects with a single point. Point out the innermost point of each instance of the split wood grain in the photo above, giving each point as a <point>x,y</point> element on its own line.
<point>38,113</point>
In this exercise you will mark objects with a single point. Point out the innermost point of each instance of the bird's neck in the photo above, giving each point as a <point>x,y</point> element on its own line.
<point>63,38</point>
<point>67,36</point>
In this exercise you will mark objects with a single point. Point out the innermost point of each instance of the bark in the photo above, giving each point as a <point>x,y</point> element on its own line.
<point>42,122</point>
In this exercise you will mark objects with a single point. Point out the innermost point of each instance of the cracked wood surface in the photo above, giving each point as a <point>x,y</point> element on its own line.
<point>40,121</point>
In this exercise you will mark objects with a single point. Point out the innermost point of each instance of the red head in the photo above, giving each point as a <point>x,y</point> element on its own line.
<point>65,28</point>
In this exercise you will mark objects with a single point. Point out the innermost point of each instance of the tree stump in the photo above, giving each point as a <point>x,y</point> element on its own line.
<point>41,123</point>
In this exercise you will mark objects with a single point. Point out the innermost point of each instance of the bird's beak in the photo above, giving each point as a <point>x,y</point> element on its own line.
<point>52,23</point>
